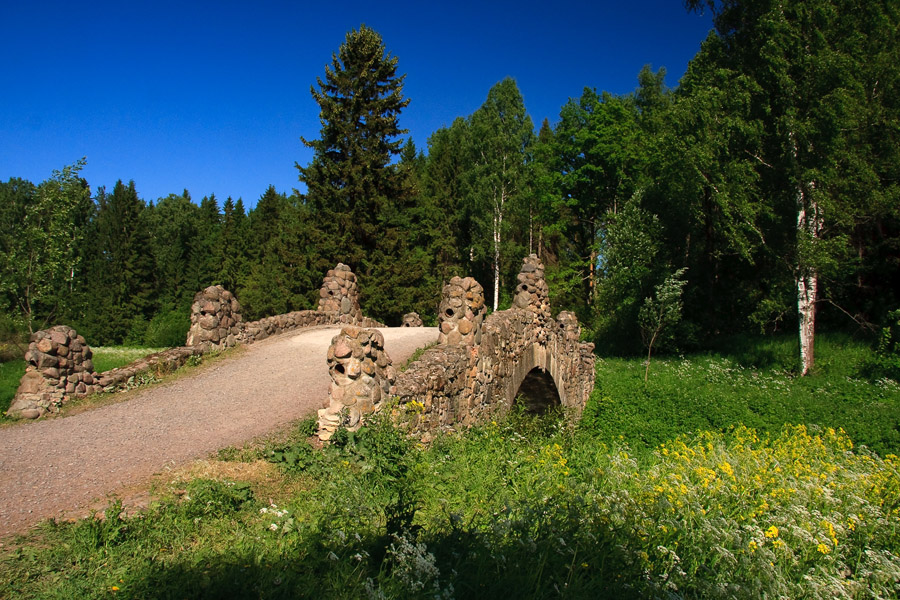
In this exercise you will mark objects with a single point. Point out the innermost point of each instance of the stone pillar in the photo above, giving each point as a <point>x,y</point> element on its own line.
<point>532,292</point>
<point>569,326</point>
<point>361,376</point>
<point>59,366</point>
<point>461,312</point>
<point>215,319</point>
<point>340,294</point>
<point>412,320</point>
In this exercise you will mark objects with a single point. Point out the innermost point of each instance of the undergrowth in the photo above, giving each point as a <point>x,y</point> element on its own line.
<point>529,506</point>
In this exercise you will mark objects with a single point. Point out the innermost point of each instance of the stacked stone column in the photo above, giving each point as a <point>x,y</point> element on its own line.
<point>361,376</point>
<point>340,294</point>
<point>412,320</point>
<point>215,319</point>
<point>461,312</point>
<point>59,366</point>
<point>532,292</point>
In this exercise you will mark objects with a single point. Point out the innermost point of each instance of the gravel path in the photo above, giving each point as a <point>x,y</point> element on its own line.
<point>54,466</point>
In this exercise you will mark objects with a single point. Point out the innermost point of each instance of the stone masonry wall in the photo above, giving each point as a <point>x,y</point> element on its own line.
<point>59,366</point>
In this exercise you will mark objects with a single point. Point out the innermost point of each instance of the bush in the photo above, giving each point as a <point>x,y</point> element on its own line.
<point>885,363</point>
<point>206,497</point>
<point>167,329</point>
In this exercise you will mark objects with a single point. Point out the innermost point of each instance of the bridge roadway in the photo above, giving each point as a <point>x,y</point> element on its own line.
<point>55,466</point>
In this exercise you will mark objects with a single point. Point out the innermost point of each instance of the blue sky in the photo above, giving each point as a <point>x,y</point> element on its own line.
<point>213,97</point>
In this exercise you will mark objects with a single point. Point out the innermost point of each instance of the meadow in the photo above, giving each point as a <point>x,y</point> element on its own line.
<point>724,476</point>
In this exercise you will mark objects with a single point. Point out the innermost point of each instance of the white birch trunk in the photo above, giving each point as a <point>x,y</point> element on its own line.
<point>498,223</point>
<point>809,225</point>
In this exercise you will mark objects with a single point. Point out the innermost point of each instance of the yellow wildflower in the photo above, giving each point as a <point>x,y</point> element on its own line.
<point>772,532</point>
<point>823,548</point>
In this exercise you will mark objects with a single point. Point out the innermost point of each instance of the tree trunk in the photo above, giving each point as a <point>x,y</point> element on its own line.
<point>809,225</point>
<point>498,222</point>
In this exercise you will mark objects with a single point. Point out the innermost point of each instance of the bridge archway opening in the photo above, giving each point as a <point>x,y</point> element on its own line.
<point>538,393</point>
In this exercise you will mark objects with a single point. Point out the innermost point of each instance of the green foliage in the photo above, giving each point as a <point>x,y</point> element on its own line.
<point>350,181</point>
<point>101,531</point>
<point>11,372</point>
<point>660,312</point>
<point>501,138</point>
<point>522,507</point>
<point>167,329</point>
<point>212,498</point>
<point>42,247</point>
<point>886,360</point>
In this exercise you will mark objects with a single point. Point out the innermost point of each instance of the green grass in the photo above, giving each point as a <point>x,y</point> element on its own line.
<point>532,507</point>
<point>748,386</point>
<point>10,374</point>
<point>111,357</point>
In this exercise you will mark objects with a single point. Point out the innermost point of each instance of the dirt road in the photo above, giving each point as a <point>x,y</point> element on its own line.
<point>54,466</point>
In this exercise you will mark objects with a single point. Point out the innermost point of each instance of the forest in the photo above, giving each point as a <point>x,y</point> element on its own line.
<point>765,186</point>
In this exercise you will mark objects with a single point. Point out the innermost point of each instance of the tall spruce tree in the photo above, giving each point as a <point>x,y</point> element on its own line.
<point>350,179</point>
<point>121,269</point>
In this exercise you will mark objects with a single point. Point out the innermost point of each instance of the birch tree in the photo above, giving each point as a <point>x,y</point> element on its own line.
<point>502,135</point>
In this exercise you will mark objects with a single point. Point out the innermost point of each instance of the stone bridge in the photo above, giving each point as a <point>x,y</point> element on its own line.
<point>478,368</point>
<point>476,371</point>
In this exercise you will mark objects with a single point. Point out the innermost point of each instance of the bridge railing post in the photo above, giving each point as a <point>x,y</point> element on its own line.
<point>340,294</point>
<point>216,319</point>
<point>461,312</point>
<point>361,377</point>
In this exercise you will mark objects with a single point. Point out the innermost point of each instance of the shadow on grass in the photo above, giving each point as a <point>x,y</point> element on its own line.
<point>529,562</point>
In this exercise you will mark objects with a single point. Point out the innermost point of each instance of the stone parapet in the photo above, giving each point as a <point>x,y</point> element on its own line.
<point>159,363</point>
<point>255,331</point>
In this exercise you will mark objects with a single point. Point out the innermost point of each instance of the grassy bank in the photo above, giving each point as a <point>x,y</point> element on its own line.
<point>674,499</point>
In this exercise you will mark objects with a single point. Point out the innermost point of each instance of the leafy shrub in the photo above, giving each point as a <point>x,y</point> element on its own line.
<point>885,363</point>
<point>104,531</point>
<point>167,329</point>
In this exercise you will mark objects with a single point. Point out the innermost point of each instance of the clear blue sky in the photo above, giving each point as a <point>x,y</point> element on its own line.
<point>214,96</point>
